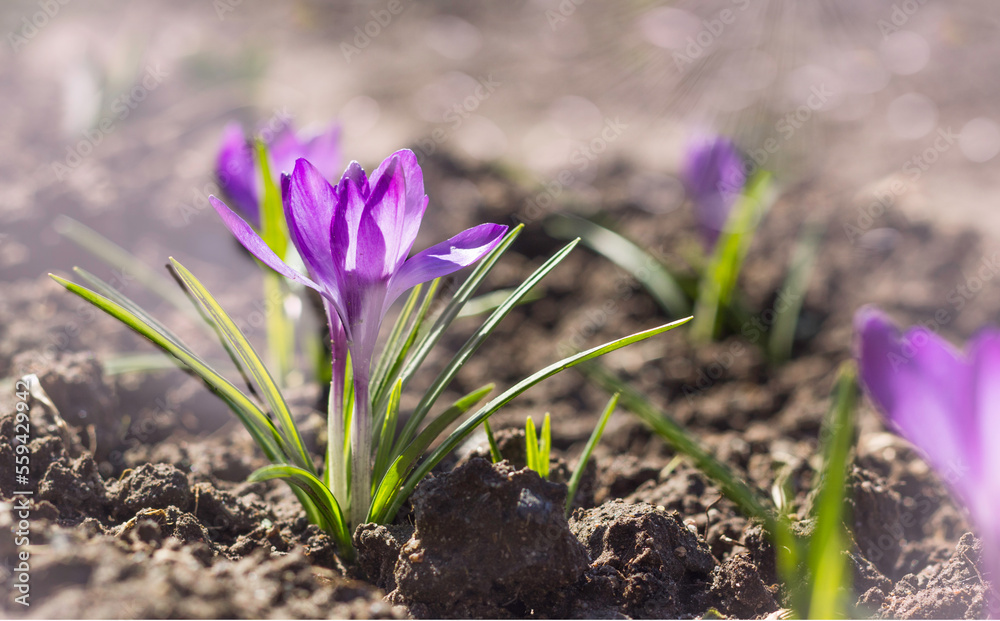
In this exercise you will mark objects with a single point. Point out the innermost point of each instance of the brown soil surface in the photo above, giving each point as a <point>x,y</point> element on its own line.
<point>141,508</point>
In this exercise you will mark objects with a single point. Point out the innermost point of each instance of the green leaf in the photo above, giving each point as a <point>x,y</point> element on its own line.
<point>445,377</point>
<point>793,294</point>
<point>531,445</point>
<point>388,434</point>
<point>626,254</point>
<point>720,276</point>
<point>545,447</point>
<point>253,418</point>
<point>273,229</point>
<point>274,232</point>
<point>507,396</point>
<point>320,494</point>
<point>394,344</point>
<point>595,437</point>
<point>828,546</point>
<point>125,262</point>
<point>386,495</point>
<point>752,503</point>
<point>489,301</point>
<point>294,447</point>
<point>495,455</point>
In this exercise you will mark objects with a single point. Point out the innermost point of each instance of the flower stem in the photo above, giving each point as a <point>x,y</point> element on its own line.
<point>361,448</point>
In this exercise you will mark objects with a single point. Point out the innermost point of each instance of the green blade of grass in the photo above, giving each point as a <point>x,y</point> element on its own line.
<point>507,396</point>
<point>112,294</point>
<point>252,417</point>
<point>395,343</point>
<point>592,441</point>
<point>472,344</point>
<point>545,447</point>
<point>626,254</point>
<point>490,301</point>
<point>295,448</point>
<point>827,559</point>
<point>124,261</point>
<point>388,434</point>
<point>793,294</point>
<point>140,363</point>
<point>329,508</point>
<point>389,487</point>
<point>274,232</point>
<point>723,269</point>
<point>495,455</point>
<point>531,445</point>
<point>752,503</point>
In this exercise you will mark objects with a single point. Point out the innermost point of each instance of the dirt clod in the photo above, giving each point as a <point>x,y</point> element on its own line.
<point>487,539</point>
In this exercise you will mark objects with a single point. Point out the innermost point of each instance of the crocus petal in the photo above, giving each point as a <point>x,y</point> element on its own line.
<point>925,389</point>
<point>713,175</point>
<point>445,258</point>
<point>284,149</point>
<point>984,356</point>
<point>323,151</point>
<point>351,193</point>
<point>236,171</point>
<point>403,166</point>
<point>252,242</point>
<point>309,209</point>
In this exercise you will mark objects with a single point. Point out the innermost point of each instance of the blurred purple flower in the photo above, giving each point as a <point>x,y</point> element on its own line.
<point>714,176</point>
<point>354,238</point>
<point>239,174</point>
<point>944,403</point>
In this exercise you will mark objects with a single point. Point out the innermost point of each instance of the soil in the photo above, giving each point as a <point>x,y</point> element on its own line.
<point>141,508</point>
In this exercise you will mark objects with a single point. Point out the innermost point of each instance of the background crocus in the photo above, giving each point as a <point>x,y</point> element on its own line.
<point>947,405</point>
<point>239,173</point>
<point>714,176</point>
<point>354,238</point>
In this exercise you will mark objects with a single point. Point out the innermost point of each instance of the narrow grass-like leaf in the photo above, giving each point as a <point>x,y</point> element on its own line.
<point>252,417</point>
<point>445,377</point>
<point>141,363</point>
<point>427,342</point>
<point>295,448</point>
<point>333,518</point>
<point>495,455</point>
<point>545,447</point>
<point>388,434</point>
<point>720,276</point>
<point>274,232</point>
<point>273,229</point>
<point>394,344</point>
<point>489,301</point>
<point>385,496</point>
<point>467,427</point>
<point>752,503</point>
<point>793,294</point>
<point>595,438</point>
<point>116,296</point>
<point>531,445</point>
<point>123,261</point>
<point>626,254</point>
<point>827,558</point>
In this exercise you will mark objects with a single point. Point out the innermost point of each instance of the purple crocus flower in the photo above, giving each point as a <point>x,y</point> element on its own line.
<point>947,405</point>
<point>239,173</point>
<point>714,176</point>
<point>354,238</point>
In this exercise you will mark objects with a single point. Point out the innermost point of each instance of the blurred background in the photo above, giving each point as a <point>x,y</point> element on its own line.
<point>113,110</point>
